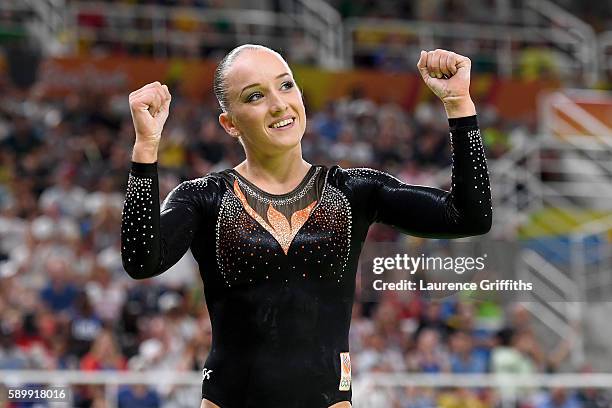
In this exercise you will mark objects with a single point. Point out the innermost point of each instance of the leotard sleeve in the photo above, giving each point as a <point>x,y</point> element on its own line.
<point>152,240</point>
<point>430,212</point>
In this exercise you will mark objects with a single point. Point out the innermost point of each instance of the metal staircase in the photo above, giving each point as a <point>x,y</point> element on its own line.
<point>43,20</point>
<point>553,193</point>
<point>567,242</point>
<point>322,25</point>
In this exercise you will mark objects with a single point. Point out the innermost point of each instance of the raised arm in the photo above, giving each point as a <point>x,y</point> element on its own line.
<point>151,242</point>
<point>431,212</point>
<point>425,211</point>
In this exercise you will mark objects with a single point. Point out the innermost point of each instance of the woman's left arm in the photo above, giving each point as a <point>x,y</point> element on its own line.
<point>430,212</point>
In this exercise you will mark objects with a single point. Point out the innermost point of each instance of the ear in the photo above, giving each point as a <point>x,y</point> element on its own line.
<point>226,122</point>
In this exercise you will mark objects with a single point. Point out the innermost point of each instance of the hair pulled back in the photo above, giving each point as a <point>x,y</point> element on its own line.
<point>220,78</point>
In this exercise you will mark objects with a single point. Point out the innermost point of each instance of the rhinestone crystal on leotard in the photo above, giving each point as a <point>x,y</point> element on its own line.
<point>281,228</point>
<point>479,164</point>
<point>243,250</point>
<point>335,215</point>
<point>137,214</point>
<point>279,201</point>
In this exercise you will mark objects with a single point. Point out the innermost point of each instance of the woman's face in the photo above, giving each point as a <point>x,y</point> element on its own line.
<point>265,105</point>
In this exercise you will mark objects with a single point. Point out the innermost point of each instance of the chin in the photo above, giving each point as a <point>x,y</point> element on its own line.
<point>288,144</point>
<point>286,139</point>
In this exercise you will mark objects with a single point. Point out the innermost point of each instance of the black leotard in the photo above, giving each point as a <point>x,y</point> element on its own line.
<point>280,290</point>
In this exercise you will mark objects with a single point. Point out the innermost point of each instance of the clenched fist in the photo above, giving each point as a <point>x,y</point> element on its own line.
<point>150,106</point>
<point>447,74</point>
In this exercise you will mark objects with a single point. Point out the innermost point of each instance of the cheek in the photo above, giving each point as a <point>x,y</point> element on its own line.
<point>248,118</point>
<point>303,113</point>
<point>298,105</point>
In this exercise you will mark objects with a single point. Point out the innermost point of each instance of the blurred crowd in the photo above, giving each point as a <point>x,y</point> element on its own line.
<point>194,35</point>
<point>66,302</point>
<point>599,15</point>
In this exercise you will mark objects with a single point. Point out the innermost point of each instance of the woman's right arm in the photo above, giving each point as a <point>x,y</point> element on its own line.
<point>151,241</point>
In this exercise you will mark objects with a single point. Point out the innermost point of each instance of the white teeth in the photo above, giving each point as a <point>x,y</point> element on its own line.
<point>282,123</point>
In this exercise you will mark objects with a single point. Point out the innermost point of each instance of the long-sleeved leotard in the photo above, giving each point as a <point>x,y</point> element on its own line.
<point>279,270</point>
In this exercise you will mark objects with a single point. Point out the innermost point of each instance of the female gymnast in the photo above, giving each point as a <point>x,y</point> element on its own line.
<point>277,239</point>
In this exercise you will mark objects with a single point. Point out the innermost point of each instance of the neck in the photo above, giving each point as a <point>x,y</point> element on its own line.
<point>276,172</point>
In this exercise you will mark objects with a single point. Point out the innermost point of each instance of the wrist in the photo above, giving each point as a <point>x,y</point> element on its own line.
<point>458,107</point>
<point>145,152</point>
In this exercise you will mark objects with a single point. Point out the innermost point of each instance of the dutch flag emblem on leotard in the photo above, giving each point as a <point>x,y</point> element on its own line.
<point>345,372</point>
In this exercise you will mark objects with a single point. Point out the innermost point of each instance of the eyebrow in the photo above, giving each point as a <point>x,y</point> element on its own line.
<point>258,84</point>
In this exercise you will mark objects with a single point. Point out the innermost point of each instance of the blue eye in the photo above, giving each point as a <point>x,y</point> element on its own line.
<point>254,96</point>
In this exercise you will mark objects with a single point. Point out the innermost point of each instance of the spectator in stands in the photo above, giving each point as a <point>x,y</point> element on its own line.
<point>429,356</point>
<point>59,293</point>
<point>104,354</point>
<point>463,359</point>
<point>559,398</point>
<point>85,326</point>
<point>379,356</point>
<point>64,194</point>
<point>11,356</point>
<point>23,138</point>
<point>327,123</point>
<point>105,294</point>
<point>460,397</point>
<point>138,395</point>
<point>433,319</point>
<point>507,359</point>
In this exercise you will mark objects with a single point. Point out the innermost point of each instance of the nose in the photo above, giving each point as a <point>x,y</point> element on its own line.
<point>277,103</point>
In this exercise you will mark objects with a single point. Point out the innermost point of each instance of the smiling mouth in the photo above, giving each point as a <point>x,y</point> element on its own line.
<point>282,124</point>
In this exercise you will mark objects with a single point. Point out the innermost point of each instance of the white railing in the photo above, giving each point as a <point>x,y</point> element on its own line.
<point>592,258</point>
<point>319,23</point>
<point>377,390</point>
<point>604,41</point>
<point>512,387</point>
<point>587,54</point>
<point>555,299</point>
<point>583,32</point>
<point>69,377</point>
<point>246,26</point>
<point>561,380</point>
<point>47,22</point>
<point>580,143</point>
<point>427,35</point>
<point>322,24</point>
